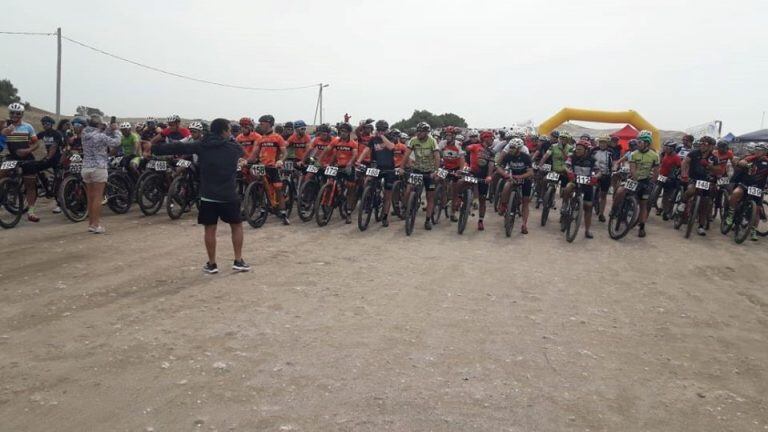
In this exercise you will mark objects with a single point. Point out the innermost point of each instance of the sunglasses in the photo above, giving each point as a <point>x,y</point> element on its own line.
<point>302,129</point>
<point>16,113</point>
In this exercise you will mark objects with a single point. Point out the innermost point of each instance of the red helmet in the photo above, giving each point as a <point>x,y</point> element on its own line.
<point>246,122</point>
<point>485,135</point>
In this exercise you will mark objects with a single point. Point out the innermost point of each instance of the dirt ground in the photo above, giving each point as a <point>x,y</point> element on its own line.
<point>335,329</point>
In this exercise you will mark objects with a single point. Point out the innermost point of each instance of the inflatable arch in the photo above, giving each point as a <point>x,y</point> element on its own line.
<point>630,117</point>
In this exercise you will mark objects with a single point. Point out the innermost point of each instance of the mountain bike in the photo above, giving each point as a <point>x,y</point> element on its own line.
<point>372,199</point>
<point>570,220</point>
<point>552,179</point>
<point>413,201</point>
<point>626,212</point>
<point>261,197</point>
<point>184,190</point>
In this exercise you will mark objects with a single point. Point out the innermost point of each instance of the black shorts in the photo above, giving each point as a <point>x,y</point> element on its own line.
<point>273,175</point>
<point>27,169</point>
<point>345,174</point>
<point>211,212</point>
<point>563,180</point>
<point>588,193</point>
<point>644,189</point>
<point>605,183</point>
<point>670,184</point>
<point>526,187</point>
<point>388,174</point>
<point>429,185</point>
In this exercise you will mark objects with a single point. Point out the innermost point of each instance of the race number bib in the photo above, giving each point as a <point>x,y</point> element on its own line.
<point>583,179</point>
<point>258,170</point>
<point>755,191</point>
<point>161,166</point>
<point>331,171</point>
<point>630,185</point>
<point>183,163</point>
<point>723,181</point>
<point>470,179</point>
<point>116,161</point>
<point>546,167</point>
<point>553,176</point>
<point>702,184</point>
<point>75,168</point>
<point>311,169</point>
<point>416,179</point>
<point>9,165</point>
<point>75,158</point>
<point>662,179</point>
<point>372,172</point>
<point>288,165</point>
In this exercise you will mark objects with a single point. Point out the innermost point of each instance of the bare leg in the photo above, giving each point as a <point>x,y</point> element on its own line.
<point>237,240</point>
<point>210,241</point>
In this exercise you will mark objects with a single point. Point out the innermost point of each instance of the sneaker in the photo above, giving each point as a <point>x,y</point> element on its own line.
<point>348,219</point>
<point>99,230</point>
<point>658,212</point>
<point>385,221</point>
<point>524,229</point>
<point>209,268</point>
<point>641,233</point>
<point>241,266</point>
<point>56,210</point>
<point>700,231</point>
<point>729,219</point>
<point>588,234</point>
<point>33,218</point>
<point>454,218</point>
<point>286,221</point>
<point>91,228</point>
<point>601,218</point>
<point>428,224</point>
<point>754,235</point>
<point>665,217</point>
<point>480,226</point>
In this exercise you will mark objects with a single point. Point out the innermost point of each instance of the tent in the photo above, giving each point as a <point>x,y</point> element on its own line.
<point>729,137</point>
<point>624,135</point>
<point>756,136</point>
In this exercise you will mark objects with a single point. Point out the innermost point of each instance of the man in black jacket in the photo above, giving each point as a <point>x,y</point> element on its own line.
<point>217,155</point>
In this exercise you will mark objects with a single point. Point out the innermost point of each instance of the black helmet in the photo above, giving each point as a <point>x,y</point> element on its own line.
<point>288,125</point>
<point>555,134</point>
<point>324,128</point>
<point>344,127</point>
<point>382,125</point>
<point>234,127</point>
<point>722,144</point>
<point>267,118</point>
<point>670,143</point>
<point>707,139</point>
<point>48,120</point>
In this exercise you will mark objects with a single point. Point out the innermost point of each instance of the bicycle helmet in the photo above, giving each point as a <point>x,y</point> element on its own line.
<point>234,128</point>
<point>246,122</point>
<point>450,130</point>
<point>288,125</point>
<point>382,125</point>
<point>565,135</point>
<point>707,140</point>
<point>555,135</point>
<point>485,135</point>
<point>473,134</point>
<point>585,136</point>
<point>722,145</point>
<point>670,143</point>
<point>582,142</point>
<point>516,143</point>
<point>174,118</point>
<point>761,146</point>
<point>345,127</point>
<point>632,143</point>
<point>125,125</point>
<point>299,124</point>
<point>423,127</point>
<point>16,108</point>
<point>151,121</point>
<point>79,121</point>
<point>324,128</point>
<point>605,138</point>
<point>645,138</point>
<point>404,136</point>
<point>47,120</point>
<point>196,125</point>
<point>267,118</point>
<point>544,139</point>
<point>460,138</point>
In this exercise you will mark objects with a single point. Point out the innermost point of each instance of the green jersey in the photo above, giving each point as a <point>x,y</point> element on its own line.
<point>559,156</point>
<point>424,152</point>
<point>645,162</point>
<point>128,143</point>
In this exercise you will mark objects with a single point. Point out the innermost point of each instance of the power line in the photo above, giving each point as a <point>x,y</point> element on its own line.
<point>27,33</point>
<point>177,75</point>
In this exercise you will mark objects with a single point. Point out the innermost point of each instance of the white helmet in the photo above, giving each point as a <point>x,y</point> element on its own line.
<point>460,138</point>
<point>125,125</point>
<point>516,143</point>
<point>761,146</point>
<point>16,107</point>
<point>404,136</point>
<point>473,133</point>
<point>196,125</point>
<point>173,118</point>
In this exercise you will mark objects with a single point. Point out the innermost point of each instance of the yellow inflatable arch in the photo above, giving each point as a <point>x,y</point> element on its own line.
<point>630,117</point>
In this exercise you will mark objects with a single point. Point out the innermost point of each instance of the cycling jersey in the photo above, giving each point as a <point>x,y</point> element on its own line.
<point>683,151</point>
<point>22,136</point>
<point>480,158</point>
<point>148,134</point>
<point>363,141</point>
<point>320,146</point>
<point>669,164</point>
<point>603,161</point>
<point>344,151</point>
<point>424,153</point>
<point>269,148</point>
<point>758,172</point>
<point>559,156</point>
<point>722,161</point>
<point>175,135</point>
<point>248,142</point>
<point>384,157</point>
<point>580,165</point>
<point>297,146</point>
<point>517,164</point>
<point>543,148</point>
<point>52,137</point>
<point>399,153</point>
<point>645,162</point>
<point>452,156</point>
<point>128,143</point>
<point>697,169</point>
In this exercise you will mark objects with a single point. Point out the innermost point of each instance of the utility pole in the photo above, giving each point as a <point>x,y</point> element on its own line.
<point>319,106</point>
<point>58,74</point>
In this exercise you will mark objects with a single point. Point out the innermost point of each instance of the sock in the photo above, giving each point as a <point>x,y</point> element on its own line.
<point>32,209</point>
<point>642,226</point>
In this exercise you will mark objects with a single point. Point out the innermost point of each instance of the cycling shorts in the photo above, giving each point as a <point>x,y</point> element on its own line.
<point>429,184</point>
<point>644,189</point>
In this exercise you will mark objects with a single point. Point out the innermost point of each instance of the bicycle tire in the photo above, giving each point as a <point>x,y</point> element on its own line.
<point>511,213</point>
<point>365,209</point>
<point>617,218</point>
<point>762,221</point>
<point>306,202</point>
<point>439,203</point>
<point>177,198</point>
<point>10,202</point>
<point>465,210</point>
<point>411,209</point>
<point>119,193</point>
<point>323,212</point>
<point>547,202</point>
<point>290,197</point>
<point>151,194</point>
<point>693,216</point>
<point>254,205</point>
<point>743,222</point>
<point>575,218</point>
<point>73,199</point>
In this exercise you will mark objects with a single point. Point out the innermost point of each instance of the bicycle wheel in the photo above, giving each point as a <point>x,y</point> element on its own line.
<point>365,208</point>
<point>324,205</point>
<point>511,213</point>
<point>465,210</point>
<point>725,197</point>
<point>411,209</point>
<point>10,202</point>
<point>576,210</point>
<point>397,199</point>
<point>118,193</point>
<point>290,196</point>
<point>306,205</point>
<point>724,227</point>
<point>73,199</point>
<point>619,222</point>
<point>678,208</point>
<point>178,197</point>
<point>254,205</point>
<point>439,204</point>
<point>762,220</point>
<point>693,216</point>
<point>653,200</point>
<point>548,200</point>
<point>743,221</point>
<point>596,200</point>
<point>151,194</point>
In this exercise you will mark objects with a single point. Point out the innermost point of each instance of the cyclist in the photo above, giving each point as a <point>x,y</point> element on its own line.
<point>603,157</point>
<point>517,165</point>
<point>686,147</point>
<point>147,135</point>
<point>298,142</point>
<point>382,148</point>
<point>401,148</point>
<point>426,162</point>
<point>174,131</point>
<point>669,168</point>
<point>54,143</point>
<point>724,155</point>
<point>247,137</point>
<point>481,164</point>
<point>270,150</point>
<point>644,166</point>
<point>287,130</point>
<point>700,164</point>
<point>757,166</point>
<point>130,145</point>
<point>558,153</point>
<point>196,129</point>
<point>581,163</point>
<point>452,156</point>
<point>21,141</point>
<point>342,152</point>
<point>75,142</point>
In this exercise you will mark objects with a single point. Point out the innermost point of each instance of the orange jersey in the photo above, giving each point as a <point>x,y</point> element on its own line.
<point>343,151</point>
<point>320,146</point>
<point>248,141</point>
<point>269,148</point>
<point>297,146</point>
<point>363,144</point>
<point>399,152</point>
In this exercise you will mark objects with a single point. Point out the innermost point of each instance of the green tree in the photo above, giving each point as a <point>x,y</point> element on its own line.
<point>8,93</point>
<point>436,121</point>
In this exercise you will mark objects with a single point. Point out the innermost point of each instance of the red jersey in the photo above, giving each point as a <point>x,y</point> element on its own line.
<point>452,156</point>
<point>175,135</point>
<point>269,148</point>
<point>297,146</point>
<point>399,153</point>
<point>722,161</point>
<point>480,158</point>
<point>248,142</point>
<point>344,151</point>
<point>669,162</point>
<point>320,146</point>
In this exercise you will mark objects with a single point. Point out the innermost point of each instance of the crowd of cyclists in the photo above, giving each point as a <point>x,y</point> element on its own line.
<point>373,171</point>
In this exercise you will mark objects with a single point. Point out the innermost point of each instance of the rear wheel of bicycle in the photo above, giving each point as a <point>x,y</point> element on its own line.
<point>465,210</point>
<point>397,199</point>
<point>324,205</point>
<point>576,210</point>
<point>11,199</point>
<point>411,210</point>
<point>548,200</point>
<point>178,197</point>
<point>73,199</point>
<point>365,209</point>
<point>693,216</point>
<point>151,194</point>
<point>119,193</point>
<point>742,223</point>
<point>653,200</point>
<point>306,201</point>
<point>255,203</point>
<point>439,203</point>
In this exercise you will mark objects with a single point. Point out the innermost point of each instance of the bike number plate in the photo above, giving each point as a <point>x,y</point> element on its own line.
<point>702,184</point>
<point>75,168</point>
<point>755,191</point>
<point>442,173</point>
<point>331,171</point>
<point>416,179</point>
<point>161,166</point>
<point>183,163</point>
<point>372,172</point>
<point>258,170</point>
<point>546,167</point>
<point>662,179</point>
<point>723,181</point>
<point>311,169</point>
<point>553,176</point>
<point>583,179</point>
<point>288,166</point>
<point>75,158</point>
<point>9,165</point>
<point>630,185</point>
<point>470,179</point>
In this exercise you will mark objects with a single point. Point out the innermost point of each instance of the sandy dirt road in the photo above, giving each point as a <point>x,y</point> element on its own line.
<point>341,330</point>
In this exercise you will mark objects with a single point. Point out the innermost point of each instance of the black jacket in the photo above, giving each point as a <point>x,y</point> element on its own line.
<point>217,158</point>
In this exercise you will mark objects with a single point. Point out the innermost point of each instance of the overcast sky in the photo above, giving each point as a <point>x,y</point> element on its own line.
<point>678,63</point>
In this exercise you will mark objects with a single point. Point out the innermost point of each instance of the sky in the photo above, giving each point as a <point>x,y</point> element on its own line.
<point>678,63</point>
